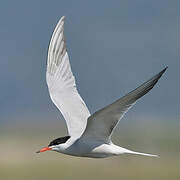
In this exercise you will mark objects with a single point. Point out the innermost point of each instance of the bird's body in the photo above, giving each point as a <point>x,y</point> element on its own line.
<point>89,135</point>
<point>93,149</point>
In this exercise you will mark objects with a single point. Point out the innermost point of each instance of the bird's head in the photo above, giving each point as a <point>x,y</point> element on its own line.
<point>55,144</point>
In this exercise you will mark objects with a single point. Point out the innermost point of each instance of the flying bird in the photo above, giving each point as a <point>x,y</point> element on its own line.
<point>89,135</point>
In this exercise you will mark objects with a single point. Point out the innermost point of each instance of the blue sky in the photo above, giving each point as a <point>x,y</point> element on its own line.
<point>114,46</point>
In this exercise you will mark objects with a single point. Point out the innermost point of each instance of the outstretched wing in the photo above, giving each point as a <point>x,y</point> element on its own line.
<point>62,86</point>
<point>100,125</point>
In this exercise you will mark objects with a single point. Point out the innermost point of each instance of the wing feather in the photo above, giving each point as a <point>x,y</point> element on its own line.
<point>100,125</point>
<point>62,86</point>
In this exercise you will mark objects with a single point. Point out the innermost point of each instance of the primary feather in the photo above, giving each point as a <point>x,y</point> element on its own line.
<point>62,86</point>
<point>100,125</point>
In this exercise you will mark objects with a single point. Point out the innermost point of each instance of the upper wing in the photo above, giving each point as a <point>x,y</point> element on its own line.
<point>100,125</point>
<point>62,86</point>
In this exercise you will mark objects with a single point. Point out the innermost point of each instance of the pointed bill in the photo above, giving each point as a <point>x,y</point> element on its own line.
<point>44,149</point>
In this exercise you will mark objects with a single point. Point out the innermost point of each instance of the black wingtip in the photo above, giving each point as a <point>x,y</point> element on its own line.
<point>162,72</point>
<point>164,69</point>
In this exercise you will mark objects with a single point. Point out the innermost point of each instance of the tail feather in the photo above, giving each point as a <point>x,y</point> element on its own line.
<point>143,154</point>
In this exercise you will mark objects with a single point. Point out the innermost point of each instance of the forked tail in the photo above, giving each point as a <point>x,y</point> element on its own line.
<point>120,150</point>
<point>143,154</point>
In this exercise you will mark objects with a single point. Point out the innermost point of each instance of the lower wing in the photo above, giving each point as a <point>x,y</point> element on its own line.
<point>100,125</point>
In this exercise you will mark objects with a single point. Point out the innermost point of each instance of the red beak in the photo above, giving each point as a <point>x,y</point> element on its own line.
<point>44,149</point>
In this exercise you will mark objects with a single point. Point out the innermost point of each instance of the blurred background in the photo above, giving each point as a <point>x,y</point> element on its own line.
<point>114,46</point>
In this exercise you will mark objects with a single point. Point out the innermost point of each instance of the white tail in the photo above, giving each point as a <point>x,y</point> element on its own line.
<point>143,154</point>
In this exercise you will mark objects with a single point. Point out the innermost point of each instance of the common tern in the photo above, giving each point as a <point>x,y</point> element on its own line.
<point>89,135</point>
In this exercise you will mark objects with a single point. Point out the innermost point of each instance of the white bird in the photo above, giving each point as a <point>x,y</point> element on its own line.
<point>89,135</point>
